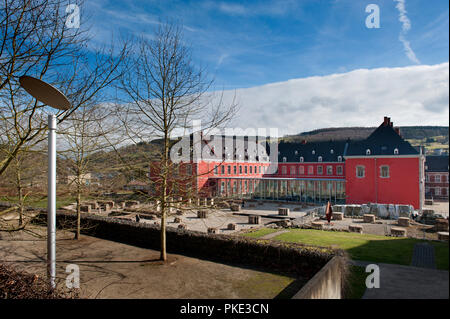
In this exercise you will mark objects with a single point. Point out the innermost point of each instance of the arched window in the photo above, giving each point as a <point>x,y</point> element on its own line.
<point>331,151</point>
<point>339,158</point>
<point>320,158</point>
<point>284,159</point>
<point>367,152</point>
<point>313,152</point>
<point>396,151</point>
<point>301,159</point>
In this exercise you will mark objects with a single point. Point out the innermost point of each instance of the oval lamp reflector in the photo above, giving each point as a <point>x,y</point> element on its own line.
<point>44,92</point>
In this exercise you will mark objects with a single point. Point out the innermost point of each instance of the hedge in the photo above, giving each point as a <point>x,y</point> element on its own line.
<point>270,255</point>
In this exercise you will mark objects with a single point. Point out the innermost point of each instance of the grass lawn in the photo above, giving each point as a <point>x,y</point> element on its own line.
<point>41,201</point>
<point>379,249</point>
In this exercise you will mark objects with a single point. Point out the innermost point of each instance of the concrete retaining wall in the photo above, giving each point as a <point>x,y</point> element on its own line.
<point>327,283</point>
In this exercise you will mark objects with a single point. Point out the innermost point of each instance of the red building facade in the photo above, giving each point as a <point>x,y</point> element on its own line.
<point>384,168</point>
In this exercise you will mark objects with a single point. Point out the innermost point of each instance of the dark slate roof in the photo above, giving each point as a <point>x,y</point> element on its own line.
<point>383,141</point>
<point>310,151</point>
<point>436,163</point>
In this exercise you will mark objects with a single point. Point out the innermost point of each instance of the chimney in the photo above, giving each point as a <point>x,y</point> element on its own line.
<point>397,130</point>
<point>303,142</point>
<point>385,122</point>
<point>391,124</point>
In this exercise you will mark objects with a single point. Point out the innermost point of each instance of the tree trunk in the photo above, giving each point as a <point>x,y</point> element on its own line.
<point>163,255</point>
<point>20,193</point>
<point>77,232</point>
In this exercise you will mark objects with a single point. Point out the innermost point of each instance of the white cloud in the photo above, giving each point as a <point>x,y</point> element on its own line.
<point>415,95</point>
<point>406,26</point>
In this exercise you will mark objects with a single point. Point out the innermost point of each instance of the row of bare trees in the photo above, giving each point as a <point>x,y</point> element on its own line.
<point>158,91</point>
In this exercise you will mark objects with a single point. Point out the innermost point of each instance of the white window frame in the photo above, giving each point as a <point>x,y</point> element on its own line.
<point>319,170</point>
<point>328,168</point>
<point>363,170</point>
<point>388,171</point>
<point>339,170</point>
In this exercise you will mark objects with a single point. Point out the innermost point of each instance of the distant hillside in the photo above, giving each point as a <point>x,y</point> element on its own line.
<point>356,133</point>
<point>432,137</point>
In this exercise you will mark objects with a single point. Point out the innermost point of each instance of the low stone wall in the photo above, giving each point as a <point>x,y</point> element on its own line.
<point>390,211</point>
<point>327,283</point>
<point>302,260</point>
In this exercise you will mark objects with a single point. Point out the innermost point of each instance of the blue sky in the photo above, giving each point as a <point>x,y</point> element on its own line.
<point>290,60</point>
<point>250,43</point>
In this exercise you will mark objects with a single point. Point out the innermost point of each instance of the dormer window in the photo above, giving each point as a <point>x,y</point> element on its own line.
<point>313,152</point>
<point>296,152</point>
<point>301,159</point>
<point>284,159</point>
<point>367,152</point>
<point>320,159</point>
<point>396,151</point>
<point>331,151</point>
<point>339,158</point>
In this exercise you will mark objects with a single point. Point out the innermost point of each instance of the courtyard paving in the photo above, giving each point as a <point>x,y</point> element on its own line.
<point>114,270</point>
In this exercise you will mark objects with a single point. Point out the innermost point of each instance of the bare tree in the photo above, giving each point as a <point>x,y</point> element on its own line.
<point>85,133</point>
<point>165,91</point>
<point>36,41</point>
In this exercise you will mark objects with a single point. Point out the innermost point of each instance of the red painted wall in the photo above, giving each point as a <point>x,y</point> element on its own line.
<point>402,186</point>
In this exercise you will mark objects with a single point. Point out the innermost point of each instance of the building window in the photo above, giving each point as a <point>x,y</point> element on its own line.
<point>301,159</point>
<point>234,170</point>
<point>284,159</point>
<point>360,171</point>
<point>339,170</point>
<point>320,159</point>
<point>437,191</point>
<point>319,170</point>
<point>189,169</point>
<point>259,169</point>
<point>367,152</point>
<point>396,151</point>
<point>339,158</point>
<point>301,170</point>
<point>292,170</point>
<point>438,178</point>
<point>245,169</point>
<point>216,170</point>
<point>251,169</point>
<point>331,151</point>
<point>222,169</point>
<point>229,170</point>
<point>283,170</point>
<point>384,171</point>
<point>310,170</point>
<point>329,170</point>
<point>240,169</point>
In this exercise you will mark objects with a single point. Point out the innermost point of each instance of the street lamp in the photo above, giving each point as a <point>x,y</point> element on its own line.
<point>52,97</point>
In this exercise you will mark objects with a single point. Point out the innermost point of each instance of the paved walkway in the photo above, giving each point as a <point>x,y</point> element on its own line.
<point>272,235</point>
<point>423,256</point>
<point>408,282</point>
<point>421,280</point>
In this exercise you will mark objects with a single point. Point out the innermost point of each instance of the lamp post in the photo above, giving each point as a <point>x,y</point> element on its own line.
<point>52,97</point>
